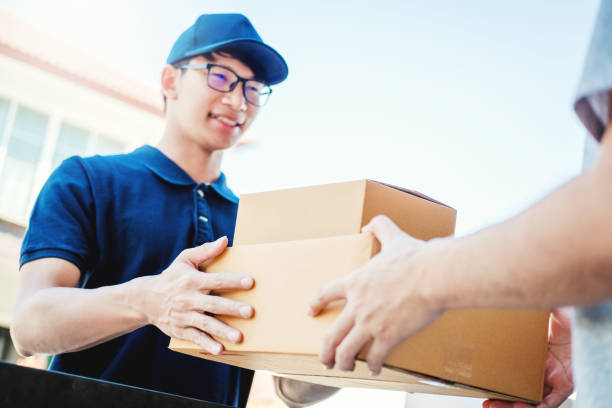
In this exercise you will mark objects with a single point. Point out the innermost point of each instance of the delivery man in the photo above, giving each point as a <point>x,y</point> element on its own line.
<point>110,263</point>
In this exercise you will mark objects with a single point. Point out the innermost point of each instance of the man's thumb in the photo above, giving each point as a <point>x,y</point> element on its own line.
<point>209,250</point>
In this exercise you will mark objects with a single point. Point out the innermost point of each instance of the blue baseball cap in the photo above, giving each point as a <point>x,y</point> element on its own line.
<point>212,32</point>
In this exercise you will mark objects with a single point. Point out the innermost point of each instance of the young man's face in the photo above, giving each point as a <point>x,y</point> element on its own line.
<point>214,120</point>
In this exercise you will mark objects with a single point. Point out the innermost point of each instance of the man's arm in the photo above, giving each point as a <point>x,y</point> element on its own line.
<point>53,316</point>
<point>558,252</point>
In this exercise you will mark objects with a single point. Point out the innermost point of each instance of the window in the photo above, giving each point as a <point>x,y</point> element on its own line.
<point>4,107</point>
<point>23,153</point>
<point>32,145</point>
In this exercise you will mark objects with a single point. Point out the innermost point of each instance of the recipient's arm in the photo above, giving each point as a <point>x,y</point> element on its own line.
<point>556,253</point>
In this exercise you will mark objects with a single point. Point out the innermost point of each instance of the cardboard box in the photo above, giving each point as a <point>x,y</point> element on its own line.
<point>293,241</point>
<point>337,209</point>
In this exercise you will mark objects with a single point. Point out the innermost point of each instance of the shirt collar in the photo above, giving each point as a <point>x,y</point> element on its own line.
<point>224,191</point>
<point>168,170</point>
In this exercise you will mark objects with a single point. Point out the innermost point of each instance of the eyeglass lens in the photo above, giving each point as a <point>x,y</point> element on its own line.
<point>225,80</point>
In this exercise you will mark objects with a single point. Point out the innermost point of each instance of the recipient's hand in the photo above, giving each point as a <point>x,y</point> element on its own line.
<point>181,301</point>
<point>384,302</point>
<point>558,381</point>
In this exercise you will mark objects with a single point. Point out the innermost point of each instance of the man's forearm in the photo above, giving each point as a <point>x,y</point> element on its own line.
<point>558,252</point>
<point>60,319</point>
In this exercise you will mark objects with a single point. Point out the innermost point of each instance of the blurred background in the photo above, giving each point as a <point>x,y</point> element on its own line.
<point>468,102</point>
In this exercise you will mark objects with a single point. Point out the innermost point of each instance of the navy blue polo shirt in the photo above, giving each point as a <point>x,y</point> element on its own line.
<point>120,217</point>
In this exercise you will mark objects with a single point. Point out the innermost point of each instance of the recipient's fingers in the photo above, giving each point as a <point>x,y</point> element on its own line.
<point>199,254</point>
<point>554,399</point>
<point>348,349</point>
<point>334,335</point>
<point>222,306</point>
<point>210,325</point>
<point>383,228</point>
<point>220,281</point>
<point>334,290</point>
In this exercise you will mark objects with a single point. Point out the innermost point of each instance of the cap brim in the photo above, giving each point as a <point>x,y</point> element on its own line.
<point>269,64</point>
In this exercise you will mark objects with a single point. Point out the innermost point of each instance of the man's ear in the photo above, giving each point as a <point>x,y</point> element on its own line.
<point>169,77</point>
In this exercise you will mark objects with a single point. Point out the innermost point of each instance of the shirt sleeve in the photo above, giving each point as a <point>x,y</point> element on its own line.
<point>62,223</point>
<point>591,102</point>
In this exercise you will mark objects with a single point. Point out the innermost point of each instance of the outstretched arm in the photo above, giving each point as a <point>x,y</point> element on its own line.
<point>558,252</point>
<point>53,316</point>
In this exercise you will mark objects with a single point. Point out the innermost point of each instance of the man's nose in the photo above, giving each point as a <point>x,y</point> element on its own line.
<point>235,98</point>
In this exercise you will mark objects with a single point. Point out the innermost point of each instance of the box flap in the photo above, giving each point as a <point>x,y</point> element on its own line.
<point>412,192</point>
<point>421,218</point>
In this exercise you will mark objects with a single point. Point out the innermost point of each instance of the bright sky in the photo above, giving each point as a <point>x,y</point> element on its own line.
<point>469,102</point>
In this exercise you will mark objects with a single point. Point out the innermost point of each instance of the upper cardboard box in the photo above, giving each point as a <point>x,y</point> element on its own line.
<point>337,209</point>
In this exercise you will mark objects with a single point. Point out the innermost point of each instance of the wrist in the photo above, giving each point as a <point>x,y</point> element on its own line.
<point>134,297</point>
<point>435,284</point>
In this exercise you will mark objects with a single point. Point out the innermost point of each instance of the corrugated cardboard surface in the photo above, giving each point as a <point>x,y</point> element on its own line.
<point>301,213</point>
<point>501,351</point>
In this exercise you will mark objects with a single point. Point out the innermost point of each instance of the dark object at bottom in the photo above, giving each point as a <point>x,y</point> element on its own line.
<point>30,387</point>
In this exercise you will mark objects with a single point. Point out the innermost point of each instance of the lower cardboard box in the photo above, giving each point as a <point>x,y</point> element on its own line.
<point>477,353</point>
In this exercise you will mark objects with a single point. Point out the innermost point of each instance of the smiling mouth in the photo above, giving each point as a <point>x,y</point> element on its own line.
<point>226,121</point>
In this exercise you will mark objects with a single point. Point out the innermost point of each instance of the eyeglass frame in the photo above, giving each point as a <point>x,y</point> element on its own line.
<point>233,86</point>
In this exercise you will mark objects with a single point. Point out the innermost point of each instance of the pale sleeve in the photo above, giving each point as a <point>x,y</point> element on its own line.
<point>592,102</point>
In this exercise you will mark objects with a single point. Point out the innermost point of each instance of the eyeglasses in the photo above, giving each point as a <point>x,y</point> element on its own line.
<point>223,79</point>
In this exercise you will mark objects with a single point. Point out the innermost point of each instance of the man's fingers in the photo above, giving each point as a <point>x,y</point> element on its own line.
<point>377,354</point>
<point>199,254</point>
<point>222,306</point>
<point>201,339</point>
<point>210,325</point>
<point>350,346</point>
<point>334,290</point>
<point>383,228</point>
<point>220,281</point>
<point>334,335</point>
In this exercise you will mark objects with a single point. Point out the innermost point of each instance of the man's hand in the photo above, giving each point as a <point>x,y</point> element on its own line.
<point>384,302</point>
<point>558,382</point>
<point>181,301</point>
